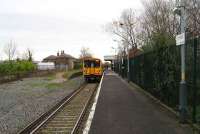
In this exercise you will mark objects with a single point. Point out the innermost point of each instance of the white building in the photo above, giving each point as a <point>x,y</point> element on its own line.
<point>45,66</point>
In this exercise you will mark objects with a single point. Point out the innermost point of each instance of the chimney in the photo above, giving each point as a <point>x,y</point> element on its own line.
<point>58,53</point>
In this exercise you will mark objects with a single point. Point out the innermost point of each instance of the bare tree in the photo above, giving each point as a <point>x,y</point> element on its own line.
<point>85,52</point>
<point>157,26</point>
<point>160,25</point>
<point>125,27</point>
<point>28,55</point>
<point>193,16</point>
<point>10,50</point>
<point>129,24</point>
<point>158,22</point>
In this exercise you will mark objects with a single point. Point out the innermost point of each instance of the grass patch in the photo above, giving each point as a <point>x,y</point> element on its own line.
<point>68,74</point>
<point>54,85</point>
<point>37,84</point>
<point>51,77</point>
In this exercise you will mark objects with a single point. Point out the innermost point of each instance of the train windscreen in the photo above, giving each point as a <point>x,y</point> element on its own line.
<point>92,63</point>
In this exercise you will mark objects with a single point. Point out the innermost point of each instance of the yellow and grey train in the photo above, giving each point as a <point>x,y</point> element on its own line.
<point>92,69</point>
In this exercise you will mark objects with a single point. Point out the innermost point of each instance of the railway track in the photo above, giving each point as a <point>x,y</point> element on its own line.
<point>64,119</point>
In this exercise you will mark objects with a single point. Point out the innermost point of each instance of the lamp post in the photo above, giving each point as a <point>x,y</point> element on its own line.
<point>128,62</point>
<point>119,57</point>
<point>115,53</point>
<point>127,46</point>
<point>180,10</point>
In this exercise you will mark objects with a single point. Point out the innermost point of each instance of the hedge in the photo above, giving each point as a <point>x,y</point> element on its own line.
<point>16,67</point>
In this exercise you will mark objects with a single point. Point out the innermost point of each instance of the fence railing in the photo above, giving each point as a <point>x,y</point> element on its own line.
<point>158,72</point>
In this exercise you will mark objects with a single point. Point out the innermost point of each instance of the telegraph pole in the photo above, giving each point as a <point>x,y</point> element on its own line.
<point>180,10</point>
<point>128,64</point>
<point>183,86</point>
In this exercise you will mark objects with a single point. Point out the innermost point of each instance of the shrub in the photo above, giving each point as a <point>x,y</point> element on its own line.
<point>16,67</point>
<point>78,65</point>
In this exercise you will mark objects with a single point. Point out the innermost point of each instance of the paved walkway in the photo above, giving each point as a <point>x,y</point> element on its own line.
<point>121,109</point>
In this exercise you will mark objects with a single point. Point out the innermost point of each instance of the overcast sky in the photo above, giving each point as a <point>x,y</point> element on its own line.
<point>47,26</point>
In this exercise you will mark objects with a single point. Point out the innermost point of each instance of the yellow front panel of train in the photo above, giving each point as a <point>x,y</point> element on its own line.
<point>92,67</point>
<point>92,71</point>
<point>98,71</point>
<point>89,71</point>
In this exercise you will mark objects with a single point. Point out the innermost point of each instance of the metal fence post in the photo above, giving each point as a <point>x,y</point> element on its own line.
<point>183,85</point>
<point>194,80</point>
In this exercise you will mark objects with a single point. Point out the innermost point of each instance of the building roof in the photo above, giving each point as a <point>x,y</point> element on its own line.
<point>134,52</point>
<point>63,55</point>
<point>51,57</point>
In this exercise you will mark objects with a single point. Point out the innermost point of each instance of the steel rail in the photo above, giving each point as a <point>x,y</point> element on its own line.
<point>78,122</point>
<point>36,124</point>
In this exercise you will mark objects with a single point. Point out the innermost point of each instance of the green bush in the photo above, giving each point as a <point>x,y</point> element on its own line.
<point>72,74</point>
<point>16,67</point>
<point>78,65</point>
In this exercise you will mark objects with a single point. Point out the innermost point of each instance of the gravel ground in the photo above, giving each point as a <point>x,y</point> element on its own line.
<point>21,102</point>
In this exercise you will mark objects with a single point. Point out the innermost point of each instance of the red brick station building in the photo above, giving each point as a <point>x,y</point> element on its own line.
<point>62,61</point>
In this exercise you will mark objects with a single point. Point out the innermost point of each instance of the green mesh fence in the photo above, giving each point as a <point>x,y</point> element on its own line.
<point>158,72</point>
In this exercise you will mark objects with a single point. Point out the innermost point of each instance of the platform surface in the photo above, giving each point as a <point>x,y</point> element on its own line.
<point>121,109</point>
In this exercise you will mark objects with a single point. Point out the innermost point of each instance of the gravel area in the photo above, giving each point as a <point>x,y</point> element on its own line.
<point>21,102</point>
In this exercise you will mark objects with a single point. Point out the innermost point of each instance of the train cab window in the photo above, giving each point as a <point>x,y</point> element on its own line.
<point>97,63</point>
<point>92,63</point>
<point>87,63</point>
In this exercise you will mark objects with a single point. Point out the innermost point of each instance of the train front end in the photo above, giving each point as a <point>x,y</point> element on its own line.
<point>92,69</point>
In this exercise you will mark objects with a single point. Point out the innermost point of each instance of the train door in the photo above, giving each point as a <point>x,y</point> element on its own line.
<point>92,69</point>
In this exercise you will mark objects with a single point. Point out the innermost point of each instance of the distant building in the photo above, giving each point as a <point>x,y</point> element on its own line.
<point>50,58</point>
<point>45,66</point>
<point>110,58</point>
<point>134,52</point>
<point>62,61</point>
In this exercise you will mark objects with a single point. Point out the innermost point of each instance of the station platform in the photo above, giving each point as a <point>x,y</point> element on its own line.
<point>122,109</point>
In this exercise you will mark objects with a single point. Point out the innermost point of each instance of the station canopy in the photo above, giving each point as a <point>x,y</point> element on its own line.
<point>109,57</point>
